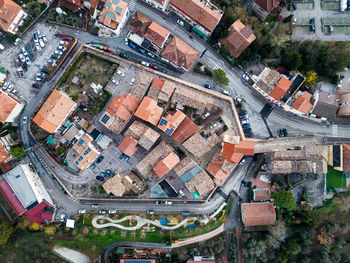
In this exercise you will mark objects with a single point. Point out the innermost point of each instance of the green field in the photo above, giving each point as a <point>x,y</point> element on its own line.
<point>335,179</point>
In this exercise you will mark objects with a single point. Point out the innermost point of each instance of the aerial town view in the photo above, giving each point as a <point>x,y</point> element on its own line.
<point>158,131</point>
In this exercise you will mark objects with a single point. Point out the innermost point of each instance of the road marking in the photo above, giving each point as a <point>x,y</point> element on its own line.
<point>335,130</point>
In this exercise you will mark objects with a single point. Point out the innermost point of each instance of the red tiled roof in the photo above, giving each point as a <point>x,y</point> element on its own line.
<point>11,197</point>
<point>166,164</point>
<point>4,155</point>
<point>8,104</point>
<point>281,88</point>
<point>8,13</point>
<point>139,24</point>
<point>123,107</point>
<point>302,103</point>
<point>73,5</point>
<point>170,123</point>
<point>346,158</point>
<point>262,184</point>
<point>157,83</point>
<point>128,146</point>
<point>215,170</point>
<point>149,111</point>
<point>235,152</point>
<point>157,34</point>
<point>185,130</point>
<point>267,5</point>
<point>37,213</point>
<point>258,214</point>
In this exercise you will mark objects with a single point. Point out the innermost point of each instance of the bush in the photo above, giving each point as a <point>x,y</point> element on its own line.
<point>284,199</point>
<point>17,151</point>
<point>60,19</point>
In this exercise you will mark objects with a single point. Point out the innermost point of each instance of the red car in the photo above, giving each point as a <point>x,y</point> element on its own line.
<point>154,67</point>
<point>66,38</point>
<point>18,61</point>
<point>109,49</point>
<point>280,17</point>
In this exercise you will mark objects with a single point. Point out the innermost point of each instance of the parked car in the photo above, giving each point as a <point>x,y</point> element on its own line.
<point>150,54</point>
<point>294,20</point>
<point>207,86</point>
<point>83,211</point>
<point>22,58</point>
<point>36,85</point>
<point>294,6</point>
<point>41,43</point>
<point>54,56</point>
<point>6,84</point>
<point>39,34</point>
<point>18,62</point>
<point>280,17</point>
<point>28,61</point>
<point>58,52</point>
<point>37,46</point>
<point>100,178</point>
<point>141,50</point>
<point>45,39</point>
<point>31,56</point>
<point>181,23</point>
<point>115,82</point>
<point>205,116</point>
<point>66,38</point>
<point>102,212</point>
<point>10,87</point>
<point>24,51</point>
<point>132,81</point>
<point>132,45</point>
<point>242,162</point>
<point>35,38</point>
<point>123,55</point>
<point>245,183</point>
<point>312,24</point>
<point>17,41</point>
<point>45,70</point>
<point>226,92</point>
<point>246,78</point>
<point>120,73</point>
<point>63,217</point>
<point>331,29</point>
<point>28,48</point>
<point>100,159</point>
<point>146,64</point>
<point>93,166</point>
<point>95,206</point>
<point>185,213</point>
<point>242,113</point>
<point>24,119</point>
<point>154,67</point>
<point>112,211</point>
<point>126,42</point>
<point>150,212</point>
<point>2,47</point>
<point>168,202</point>
<point>15,91</point>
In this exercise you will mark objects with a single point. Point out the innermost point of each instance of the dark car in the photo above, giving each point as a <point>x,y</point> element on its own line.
<point>93,166</point>
<point>185,213</point>
<point>285,132</point>
<point>207,86</point>
<point>245,183</point>
<point>132,45</point>
<point>36,85</point>
<point>246,125</point>
<point>45,70</point>
<point>294,6</point>
<point>24,66</point>
<point>154,67</point>
<point>141,50</point>
<point>31,56</point>
<point>28,48</point>
<point>247,130</point>
<point>100,178</point>
<point>100,159</point>
<point>53,56</point>
<point>123,55</point>
<point>242,113</point>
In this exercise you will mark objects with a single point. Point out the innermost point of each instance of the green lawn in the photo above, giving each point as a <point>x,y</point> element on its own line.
<point>335,179</point>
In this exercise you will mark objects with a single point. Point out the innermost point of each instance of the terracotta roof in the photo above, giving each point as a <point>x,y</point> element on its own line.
<point>166,164</point>
<point>86,152</point>
<point>263,184</point>
<point>185,130</point>
<point>170,123</point>
<point>128,146</point>
<point>267,5</point>
<point>258,214</point>
<point>93,6</point>
<point>139,24</point>
<point>238,38</point>
<point>346,158</point>
<point>235,152</point>
<point>73,5</point>
<point>157,83</point>
<point>157,34</point>
<point>200,11</point>
<point>149,111</point>
<point>123,107</point>
<point>261,195</point>
<point>215,168</point>
<point>54,111</point>
<point>4,155</point>
<point>302,103</point>
<point>8,104</point>
<point>201,183</point>
<point>281,88</point>
<point>113,12</point>
<point>8,13</point>
<point>180,53</point>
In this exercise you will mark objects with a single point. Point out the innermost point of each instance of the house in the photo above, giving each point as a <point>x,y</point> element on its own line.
<point>128,146</point>
<point>202,15</point>
<point>261,195</point>
<point>25,195</point>
<point>85,151</point>
<point>198,145</point>
<point>161,90</point>
<point>114,15</point>
<point>263,7</point>
<point>171,122</point>
<point>185,130</point>
<point>179,54</point>
<point>344,104</point>
<point>4,154</point>
<point>149,111</point>
<point>114,186</point>
<point>303,103</point>
<point>11,16</point>
<point>235,152</point>
<point>55,111</point>
<point>281,88</point>
<point>139,24</point>
<point>119,112</point>
<point>239,37</point>
<point>220,169</point>
<point>10,108</point>
<point>267,81</point>
<point>200,184</point>
<point>120,184</point>
<point>258,214</point>
<point>157,35</point>
<point>325,105</point>
<point>73,5</point>
<point>145,136</point>
<point>166,164</point>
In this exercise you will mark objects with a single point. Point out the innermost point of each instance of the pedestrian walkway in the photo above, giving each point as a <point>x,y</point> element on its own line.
<point>132,4</point>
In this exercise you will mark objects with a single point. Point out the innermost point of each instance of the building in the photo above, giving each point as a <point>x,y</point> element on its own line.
<point>10,107</point>
<point>263,7</point>
<point>160,4</point>
<point>200,184</point>
<point>4,154</point>
<point>114,186</point>
<point>85,151</point>
<point>171,122</point>
<point>128,146</point>
<point>139,24</point>
<point>202,15</point>
<point>11,16</point>
<point>239,37</point>
<point>267,81</point>
<point>55,111</point>
<point>145,136</point>
<point>344,104</point>
<point>157,35</point>
<point>325,105</point>
<point>120,185</point>
<point>185,130</point>
<point>261,195</point>
<point>179,54</point>
<point>258,214</point>
<point>149,111</point>
<point>25,195</point>
<point>303,103</point>
<point>73,5</point>
<point>119,112</point>
<point>281,88</point>
<point>198,145</point>
<point>220,169</point>
<point>235,152</point>
<point>161,90</point>
<point>166,164</point>
<point>114,15</point>
<point>346,159</point>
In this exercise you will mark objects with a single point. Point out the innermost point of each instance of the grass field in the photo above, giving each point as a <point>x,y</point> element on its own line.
<point>335,179</point>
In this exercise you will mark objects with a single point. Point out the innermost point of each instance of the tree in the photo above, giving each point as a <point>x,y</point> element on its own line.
<point>22,225</point>
<point>220,78</point>
<point>34,227</point>
<point>279,230</point>
<point>291,60</point>
<point>284,199</point>
<point>311,78</point>
<point>34,9</point>
<point>6,231</point>
<point>17,151</point>
<point>50,230</point>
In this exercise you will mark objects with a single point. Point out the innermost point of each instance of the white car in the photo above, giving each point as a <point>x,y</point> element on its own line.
<point>10,87</point>
<point>37,46</point>
<point>6,84</point>
<point>126,41</point>
<point>41,42</point>
<point>82,211</point>
<point>28,61</point>
<point>242,162</point>
<point>112,211</point>
<point>115,82</point>
<point>245,77</point>
<point>39,35</point>
<point>17,41</point>
<point>24,51</point>
<point>168,202</point>
<point>57,52</point>
<point>132,81</point>
<point>22,58</point>
<point>181,23</point>
<point>1,47</point>
<point>24,120</point>
<point>245,122</point>
<point>15,91</point>
<point>45,39</point>
<point>145,63</point>
<point>120,73</point>
<point>63,217</point>
<point>205,116</point>
<point>294,20</point>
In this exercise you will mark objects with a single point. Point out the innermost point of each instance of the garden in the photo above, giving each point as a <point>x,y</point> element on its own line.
<point>34,9</point>
<point>335,178</point>
<point>67,17</point>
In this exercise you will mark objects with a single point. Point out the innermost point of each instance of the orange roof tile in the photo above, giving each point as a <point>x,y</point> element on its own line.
<point>170,123</point>
<point>267,5</point>
<point>199,11</point>
<point>215,168</point>
<point>235,152</point>
<point>139,24</point>
<point>179,53</point>
<point>302,103</point>
<point>8,13</point>
<point>158,83</point>
<point>123,107</point>
<point>238,38</point>
<point>4,155</point>
<point>185,130</point>
<point>8,104</point>
<point>73,5</point>
<point>157,34</point>
<point>281,88</point>
<point>262,184</point>
<point>166,164</point>
<point>128,146</point>
<point>258,214</point>
<point>54,111</point>
<point>245,147</point>
<point>149,111</point>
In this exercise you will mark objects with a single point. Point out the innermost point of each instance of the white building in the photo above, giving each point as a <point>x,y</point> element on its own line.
<point>10,108</point>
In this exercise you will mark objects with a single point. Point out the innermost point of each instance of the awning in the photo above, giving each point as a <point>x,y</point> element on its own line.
<point>199,32</point>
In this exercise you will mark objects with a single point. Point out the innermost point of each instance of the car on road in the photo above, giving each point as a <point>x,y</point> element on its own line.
<point>37,46</point>
<point>115,82</point>
<point>132,81</point>
<point>150,54</point>
<point>22,58</point>
<point>280,17</point>
<point>226,92</point>
<point>15,91</point>
<point>103,212</point>
<point>154,67</point>
<point>168,202</point>
<point>185,213</point>
<point>120,73</point>
<point>245,77</point>
<point>146,64</point>
<point>312,24</point>
<point>95,206</point>
<point>17,41</point>
<point>24,51</point>
<point>63,217</point>
<point>242,162</point>
<point>93,166</point>
<point>83,211</point>
<point>331,29</point>
<point>123,55</point>
<point>141,50</point>
<point>150,212</point>
<point>181,23</point>
<point>126,42</point>
<point>100,159</point>
<point>132,45</point>
<point>100,178</point>
<point>112,211</point>
<point>245,183</point>
<point>294,20</point>
<point>207,86</point>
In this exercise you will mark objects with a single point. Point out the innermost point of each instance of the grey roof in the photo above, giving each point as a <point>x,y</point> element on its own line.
<point>18,181</point>
<point>326,105</point>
